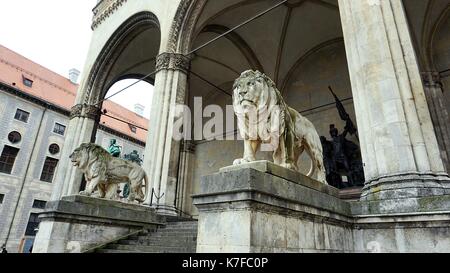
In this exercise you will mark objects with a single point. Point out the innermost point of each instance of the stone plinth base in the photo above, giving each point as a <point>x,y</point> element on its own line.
<point>77,223</point>
<point>261,207</point>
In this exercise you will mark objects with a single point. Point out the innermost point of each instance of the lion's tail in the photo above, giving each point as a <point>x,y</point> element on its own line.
<point>313,167</point>
<point>145,188</point>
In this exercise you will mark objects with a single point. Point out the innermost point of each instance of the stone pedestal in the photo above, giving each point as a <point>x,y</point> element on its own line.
<point>77,223</point>
<point>261,207</point>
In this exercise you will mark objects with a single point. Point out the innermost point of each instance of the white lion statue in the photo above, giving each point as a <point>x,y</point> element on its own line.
<point>105,172</point>
<point>264,118</point>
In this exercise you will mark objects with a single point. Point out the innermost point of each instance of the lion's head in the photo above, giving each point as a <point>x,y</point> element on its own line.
<point>86,153</point>
<point>258,106</point>
<point>253,90</point>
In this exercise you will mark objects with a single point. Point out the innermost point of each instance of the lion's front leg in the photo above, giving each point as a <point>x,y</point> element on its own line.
<point>93,183</point>
<point>250,148</point>
<point>284,155</point>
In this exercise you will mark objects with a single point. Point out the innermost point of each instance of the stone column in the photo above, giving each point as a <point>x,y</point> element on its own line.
<point>184,183</point>
<point>439,113</point>
<point>162,151</point>
<point>82,122</point>
<point>399,147</point>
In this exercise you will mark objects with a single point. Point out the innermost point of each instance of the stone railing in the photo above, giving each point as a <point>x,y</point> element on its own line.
<point>104,9</point>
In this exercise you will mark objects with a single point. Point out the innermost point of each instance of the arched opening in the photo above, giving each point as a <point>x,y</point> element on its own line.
<point>429,23</point>
<point>129,54</point>
<point>441,54</point>
<point>125,118</point>
<point>121,87</point>
<point>299,45</point>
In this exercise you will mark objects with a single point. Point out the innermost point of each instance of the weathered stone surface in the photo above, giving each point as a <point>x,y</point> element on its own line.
<point>276,170</point>
<point>77,223</point>
<point>257,208</point>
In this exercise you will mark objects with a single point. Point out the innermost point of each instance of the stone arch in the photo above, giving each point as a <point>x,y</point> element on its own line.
<point>129,30</point>
<point>433,35</point>
<point>183,25</point>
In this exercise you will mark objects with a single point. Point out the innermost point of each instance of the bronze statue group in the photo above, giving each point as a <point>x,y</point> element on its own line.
<point>115,150</point>
<point>342,157</point>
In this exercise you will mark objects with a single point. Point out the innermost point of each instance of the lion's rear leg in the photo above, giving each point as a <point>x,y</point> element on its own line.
<point>317,168</point>
<point>136,192</point>
<point>111,191</point>
<point>285,154</point>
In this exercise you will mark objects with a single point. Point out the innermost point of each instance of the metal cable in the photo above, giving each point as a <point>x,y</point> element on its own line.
<point>198,48</point>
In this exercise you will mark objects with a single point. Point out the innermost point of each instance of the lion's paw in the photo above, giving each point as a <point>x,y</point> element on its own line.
<point>242,161</point>
<point>289,166</point>
<point>85,193</point>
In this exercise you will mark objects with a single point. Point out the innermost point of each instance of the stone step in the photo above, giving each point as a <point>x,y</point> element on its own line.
<point>182,223</point>
<point>175,237</point>
<point>168,242</point>
<point>178,230</point>
<point>177,227</point>
<point>150,249</point>
<point>158,237</point>
<point>105,250</point>
<point>174,232</point>
<point>161,234</point>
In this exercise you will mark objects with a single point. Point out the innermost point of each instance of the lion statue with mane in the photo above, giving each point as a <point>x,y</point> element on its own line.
<point>105,172</point>
<point>264,118</point>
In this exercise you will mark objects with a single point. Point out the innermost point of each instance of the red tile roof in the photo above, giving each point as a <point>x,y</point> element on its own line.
<point>56,89</point>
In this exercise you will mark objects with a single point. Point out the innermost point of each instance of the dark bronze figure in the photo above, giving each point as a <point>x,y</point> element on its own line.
<point>341,156</point>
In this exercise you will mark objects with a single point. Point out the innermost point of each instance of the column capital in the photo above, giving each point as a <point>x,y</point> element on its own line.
<point>173,61</point>
<point>84,111</point>
<point>431,79</point>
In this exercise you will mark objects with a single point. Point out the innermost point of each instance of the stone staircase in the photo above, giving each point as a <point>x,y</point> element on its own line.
<point>175,237</point>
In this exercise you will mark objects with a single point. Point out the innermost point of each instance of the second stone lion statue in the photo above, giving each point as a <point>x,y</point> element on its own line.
<point>264,117</point>
<point>105,172</point>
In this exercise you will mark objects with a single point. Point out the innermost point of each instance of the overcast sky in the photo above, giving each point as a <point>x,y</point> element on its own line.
<point>56,34</point>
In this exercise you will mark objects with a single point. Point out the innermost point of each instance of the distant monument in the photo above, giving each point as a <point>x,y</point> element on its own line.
<point>133,157</point>
<point>114,149</point>
<point>104,172</point>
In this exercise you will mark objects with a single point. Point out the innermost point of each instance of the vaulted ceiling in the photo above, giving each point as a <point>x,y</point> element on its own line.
<point>276,42</point>
<point>427,21</point>
<point>273,43</point>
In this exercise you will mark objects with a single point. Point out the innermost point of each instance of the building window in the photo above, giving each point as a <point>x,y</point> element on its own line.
<point>14,137</point>
<point>27,82</point>
<point>53,149</point>
<point>133,128</point>
<point>39,204</point>
<point>22,115</point>
<point>49,169</point>
<point>33,224</point>
<point>7,159</point>
<point>2,196</point>
<point>59,129</point>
